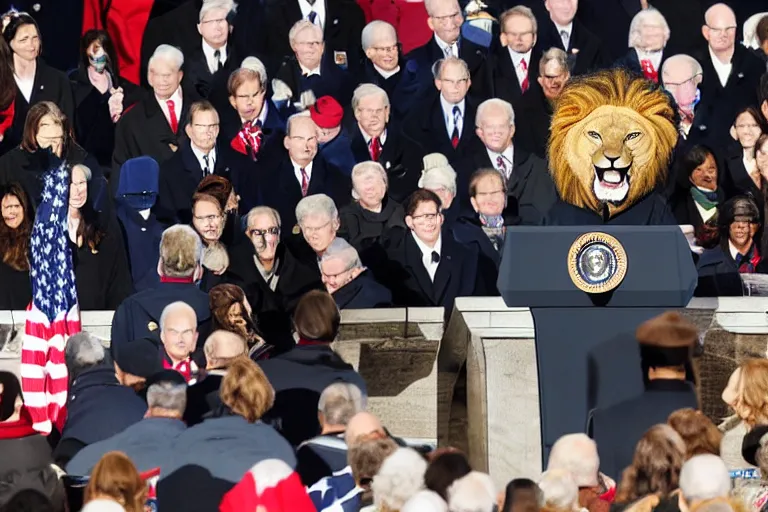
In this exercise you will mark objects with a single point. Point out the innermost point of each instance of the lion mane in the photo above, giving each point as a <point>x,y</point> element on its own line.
<point>611,141</point>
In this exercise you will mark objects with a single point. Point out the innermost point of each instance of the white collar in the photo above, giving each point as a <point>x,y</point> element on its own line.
<point>386,74</point>
<point>568,28</point>
<point>508,155</point>
<point>426,251</point>
<point>262,117</point>
<point>367,137</point>
<point>318,8</point>
<point>176,98</point>
<point>443,45</point>
<point>199,153</point>
<point>717,62</point>
<point>733,250</point>
<point>297,168</point>
<point>209,50</point>
<point>517,57</point>
<point>448,107</point>
<point>309,72</point>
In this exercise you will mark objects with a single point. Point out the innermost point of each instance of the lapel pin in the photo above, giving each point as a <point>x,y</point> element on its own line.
<point>336,21</point>
<point>741,75</point>
<point>42,87</point>
<point>36,7</point>
<point>387,165</point>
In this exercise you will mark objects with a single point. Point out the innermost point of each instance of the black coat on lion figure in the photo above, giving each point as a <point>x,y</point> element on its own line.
<point>611,141</point>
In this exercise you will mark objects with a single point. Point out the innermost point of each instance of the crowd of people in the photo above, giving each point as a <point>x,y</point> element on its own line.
<point>240,174</point>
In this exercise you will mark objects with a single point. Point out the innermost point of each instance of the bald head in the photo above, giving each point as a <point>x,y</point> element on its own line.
<point>720,28</point>
<point>178,331</point>
<point>362,424</point>
<point>222,347</point>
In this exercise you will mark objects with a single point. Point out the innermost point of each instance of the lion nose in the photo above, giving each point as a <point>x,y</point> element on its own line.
<point>612,159</point>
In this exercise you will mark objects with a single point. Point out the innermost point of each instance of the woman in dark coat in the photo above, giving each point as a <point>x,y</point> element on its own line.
<point>26,461</point>
<point>740,175</point>
<point>35,80</point>
<point>100,95</point>
<point>102,276</point>
<point>47,141</point>
<point>697,194</point>
<point>15,230</point>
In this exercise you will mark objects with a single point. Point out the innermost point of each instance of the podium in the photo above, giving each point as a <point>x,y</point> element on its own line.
<point>586,349</point>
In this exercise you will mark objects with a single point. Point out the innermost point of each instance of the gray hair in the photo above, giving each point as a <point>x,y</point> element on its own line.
<point>86,171</point>
<point>682,59</point>
<point>649,16</point>
<point>262,210</point>
<point>368,168</point>
<point>442,176</point>
<point>400,477</point>
<point>167,395</point>
<point>366,90</point>
<point>556,55</point>
<point>81,352</point>
<point>437,67</point>
<point>474,492</point>
<point>255,65</point>
<point>522,11</point>
<point>371,30</point>
<point>494,104</point>
<point>577,454</point>
<point>168,53</point>
<point>173,307</point>
<point>175,247</point>
<point>293,117</point>
<point>317,204</point>
<point>704,477</point>
<point>559,490</point>
<point>341,249</point>
<point>301,26</point>
<point>224,346</point>
<point>210,5</point>
<point>339,402</point>
<point>429,5</point>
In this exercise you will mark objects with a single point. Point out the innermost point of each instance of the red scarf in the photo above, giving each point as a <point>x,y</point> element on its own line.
<point>187,280</point>
<point>185,368</point>
<point>19,428</point>
<point>248,140</point>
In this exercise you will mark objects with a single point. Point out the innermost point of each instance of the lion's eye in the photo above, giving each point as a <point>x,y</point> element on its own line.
<point>631,136</point>
<point>594,135</point>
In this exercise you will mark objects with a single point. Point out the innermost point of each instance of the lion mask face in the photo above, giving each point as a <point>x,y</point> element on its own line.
<point>611,140</point>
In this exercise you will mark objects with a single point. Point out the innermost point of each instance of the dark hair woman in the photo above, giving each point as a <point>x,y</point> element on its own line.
<point>221,188</point>
<point>35,80</point>
<point>46,142</point>
<point>101,265</point>
<point>7,89</point>
<point>231,311</point>
<point>15,230</point>
<point>698,194</point>
<point>740,174</point>
<point>101,95</point>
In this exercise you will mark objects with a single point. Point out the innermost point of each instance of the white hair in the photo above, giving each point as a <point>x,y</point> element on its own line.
<point>339,402</point>
<point>704,477</point>
<point>682,59</point>
<point>400,477</point>
<point>365,90</point>
<point>210,5</point>
<point>317,204</point>
<point>299,27</point>
<point>577,454</point>
<point>372,30</point>
<point>429,5</point>
<point>425,501</point>
<point>519,10</point>
<point>556,55</point>
<point>559,490</point>
<point>439,65</point>
<point>495,104</point>
<point>474,492</point>
<point>82,351</point>
<point>255,65</point>
<point>169,54</point>
<point>167,395</point>
<point>365,169</point>
<point>85,169</point>
<point>190,233</point>
<point>649,16</point>
<point>437,173</point>
<point>341,249</point>
<point>223,345</point>
<point>262,210</point>
<point>173,307</point>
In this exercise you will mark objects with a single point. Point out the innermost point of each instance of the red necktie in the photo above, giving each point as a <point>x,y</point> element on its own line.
<point>649,71</point>
<point>375,149</point>
<point>304,182</point>
<point>172,115</point>
<point>524,84</point>
<point>455,135</point>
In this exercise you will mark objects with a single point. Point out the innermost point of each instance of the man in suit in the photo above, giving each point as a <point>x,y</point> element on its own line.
<point>298,173</point>
<point>445,20</point>
<point>196,158</point>
<point>443,123</point>
<point>153,126</point>
<point>310,68</point>
<point>514,69</point>
<point>525,175</point>
<point>666,350</point>
<point>681,76</point>
<point>350,284</point>
<point>561,30</point>
<point>382,67</point>
<point>731,72</point>
<point>535,108</point>
<point>428,267</point>
<point>371,139</point>
<point>341,21</point>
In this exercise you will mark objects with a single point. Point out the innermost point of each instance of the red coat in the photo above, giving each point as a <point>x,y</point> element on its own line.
<point>408,17</point>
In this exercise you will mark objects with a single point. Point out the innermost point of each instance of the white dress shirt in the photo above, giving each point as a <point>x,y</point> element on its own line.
<point>309,72</point>
<point>516,60</point>
<point>704,213</point>
<point>199,154</point>
<point>565,28</point>
<point>444,46</point>
<point>208,51</point>
<point>654,57</point>
<point>386,74</point>
<point>426,254</point>
<point>723,70</point>
<point>508,155</point>
<point>25,86</point>
<point>382,137</point>
<point>297,172</point>
<point>319,8</point>
<point>448,115</point>
<point>177,104</point>
<point>733,250</point>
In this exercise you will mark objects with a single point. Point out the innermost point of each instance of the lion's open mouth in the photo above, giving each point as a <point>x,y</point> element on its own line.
<point>612,178</point>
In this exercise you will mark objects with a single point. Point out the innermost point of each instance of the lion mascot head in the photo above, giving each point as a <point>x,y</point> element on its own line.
<point>611,140</point>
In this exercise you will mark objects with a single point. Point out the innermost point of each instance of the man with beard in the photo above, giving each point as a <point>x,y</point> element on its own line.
<point>351,284</point>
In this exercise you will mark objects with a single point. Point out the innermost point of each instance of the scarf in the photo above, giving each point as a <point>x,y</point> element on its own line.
<point>748,262</point>
<point>707,199</point>
<point>493,227</point>
<point>19,428</point>
<point>248,139</point>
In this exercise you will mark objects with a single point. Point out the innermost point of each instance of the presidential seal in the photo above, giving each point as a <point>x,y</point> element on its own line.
<point>597,262</point>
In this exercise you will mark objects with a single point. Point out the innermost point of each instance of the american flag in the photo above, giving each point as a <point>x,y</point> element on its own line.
<point>53,315</point>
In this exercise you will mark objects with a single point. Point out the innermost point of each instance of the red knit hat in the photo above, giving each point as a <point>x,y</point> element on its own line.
<point>326,112</point>
<point>271,484</point>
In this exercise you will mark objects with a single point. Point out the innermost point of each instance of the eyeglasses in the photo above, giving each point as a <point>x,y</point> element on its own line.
<point>274,231</point>
<point>217,21</point>
<point>206,127</point>
<point>717,31</point>
<point>426,217</point>
<point>208,218</point>
<point>443,20</point>
<point>672,85</point>
<point>310,230</point>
